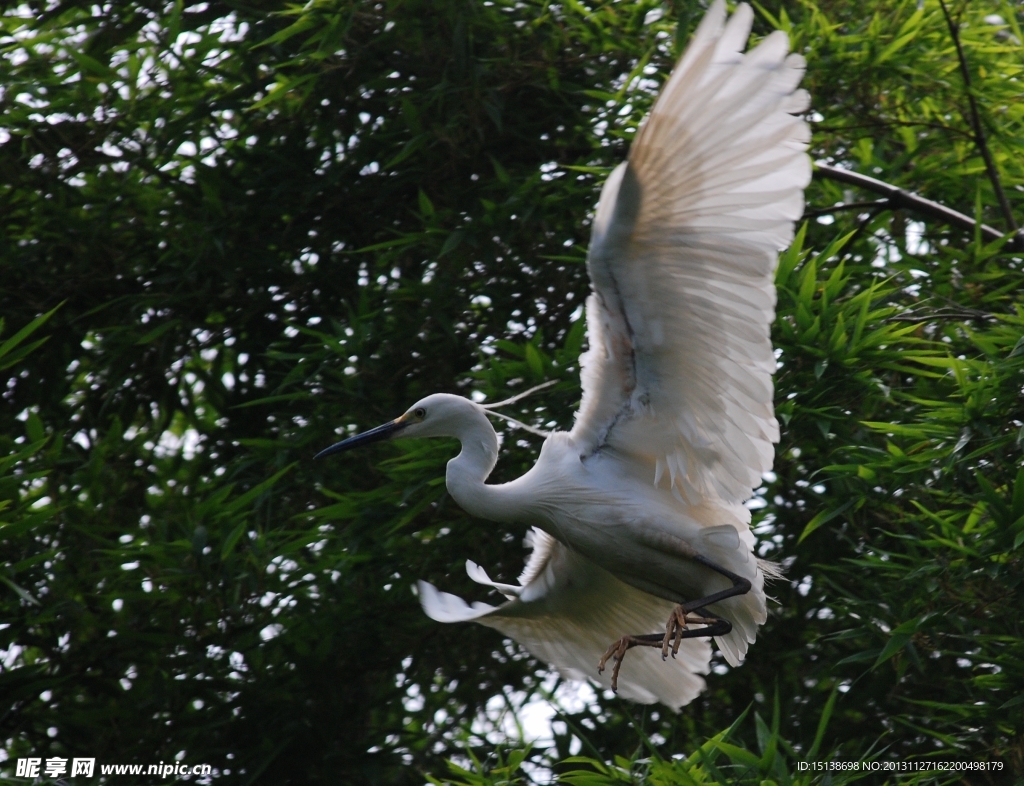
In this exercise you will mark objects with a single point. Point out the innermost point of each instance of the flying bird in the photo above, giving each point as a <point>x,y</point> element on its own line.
<point>641,541</point>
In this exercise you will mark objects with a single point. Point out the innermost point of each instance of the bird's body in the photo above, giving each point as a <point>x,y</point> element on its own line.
<point>610,555</point>
<point>599,506</point>
<point>640,507</point>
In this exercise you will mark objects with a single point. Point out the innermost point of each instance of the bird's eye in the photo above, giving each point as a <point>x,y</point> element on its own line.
<point>420,412</point>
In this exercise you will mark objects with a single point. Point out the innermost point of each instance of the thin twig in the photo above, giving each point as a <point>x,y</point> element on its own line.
<point>519,396</point>
<point>864,225</point>
<point>518,423</point>
<point>975,119</point>
<point>959,314</point>
<point>838,129</point>
<point>897,197</point>
<point>827,211</point>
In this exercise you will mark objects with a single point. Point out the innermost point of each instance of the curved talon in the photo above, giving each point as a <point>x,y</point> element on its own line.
<point>679,632</point>
<point>618,651</point>
<point>613,649</point>
<point>673,630</point>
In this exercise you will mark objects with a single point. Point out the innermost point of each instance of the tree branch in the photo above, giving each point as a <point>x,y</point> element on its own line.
<point>897,197</point>
<point>975,119</point>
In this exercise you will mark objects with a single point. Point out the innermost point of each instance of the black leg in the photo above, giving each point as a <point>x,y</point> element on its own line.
<point>740,586</point>
<point>690,613</point>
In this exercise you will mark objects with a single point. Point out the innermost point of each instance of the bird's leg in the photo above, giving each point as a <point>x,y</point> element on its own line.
<point>690,613</point>
<point>740,586</point>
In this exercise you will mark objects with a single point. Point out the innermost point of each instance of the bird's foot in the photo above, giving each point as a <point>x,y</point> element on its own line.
<point>675,632</point>
<point>618,650</point>
<point>675,629</point>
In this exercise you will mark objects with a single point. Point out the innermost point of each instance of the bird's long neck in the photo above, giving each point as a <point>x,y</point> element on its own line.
<point>468,471</point>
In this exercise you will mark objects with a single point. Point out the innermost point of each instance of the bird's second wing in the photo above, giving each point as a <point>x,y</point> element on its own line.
<point>567,611</point>
<point>682,259</point>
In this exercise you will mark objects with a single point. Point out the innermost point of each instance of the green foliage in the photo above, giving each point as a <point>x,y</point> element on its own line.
<point>270,225</point>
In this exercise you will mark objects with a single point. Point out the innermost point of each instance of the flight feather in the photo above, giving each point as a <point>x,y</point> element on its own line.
<point>682,259</point>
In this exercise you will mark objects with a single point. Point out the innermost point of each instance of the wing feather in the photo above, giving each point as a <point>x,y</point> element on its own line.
<point>568,611</point>
<point>682,259</point>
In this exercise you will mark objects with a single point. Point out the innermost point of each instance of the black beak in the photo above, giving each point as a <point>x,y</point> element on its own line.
<point>373,435</point>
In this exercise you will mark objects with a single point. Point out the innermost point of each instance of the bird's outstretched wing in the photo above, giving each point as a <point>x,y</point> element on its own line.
<point>684,247</point>
<point>566,611</point>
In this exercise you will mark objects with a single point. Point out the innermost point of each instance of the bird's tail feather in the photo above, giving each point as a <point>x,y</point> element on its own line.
<point>773,571</point>
<point>746,613</point>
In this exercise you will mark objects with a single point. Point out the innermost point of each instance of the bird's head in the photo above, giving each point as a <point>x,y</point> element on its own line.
<point>438,415</point>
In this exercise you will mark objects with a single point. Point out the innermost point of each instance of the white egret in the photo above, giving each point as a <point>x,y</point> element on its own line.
<point>636,516</point>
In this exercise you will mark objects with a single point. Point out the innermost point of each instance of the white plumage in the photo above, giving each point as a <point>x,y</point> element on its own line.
<point>676,425</point>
